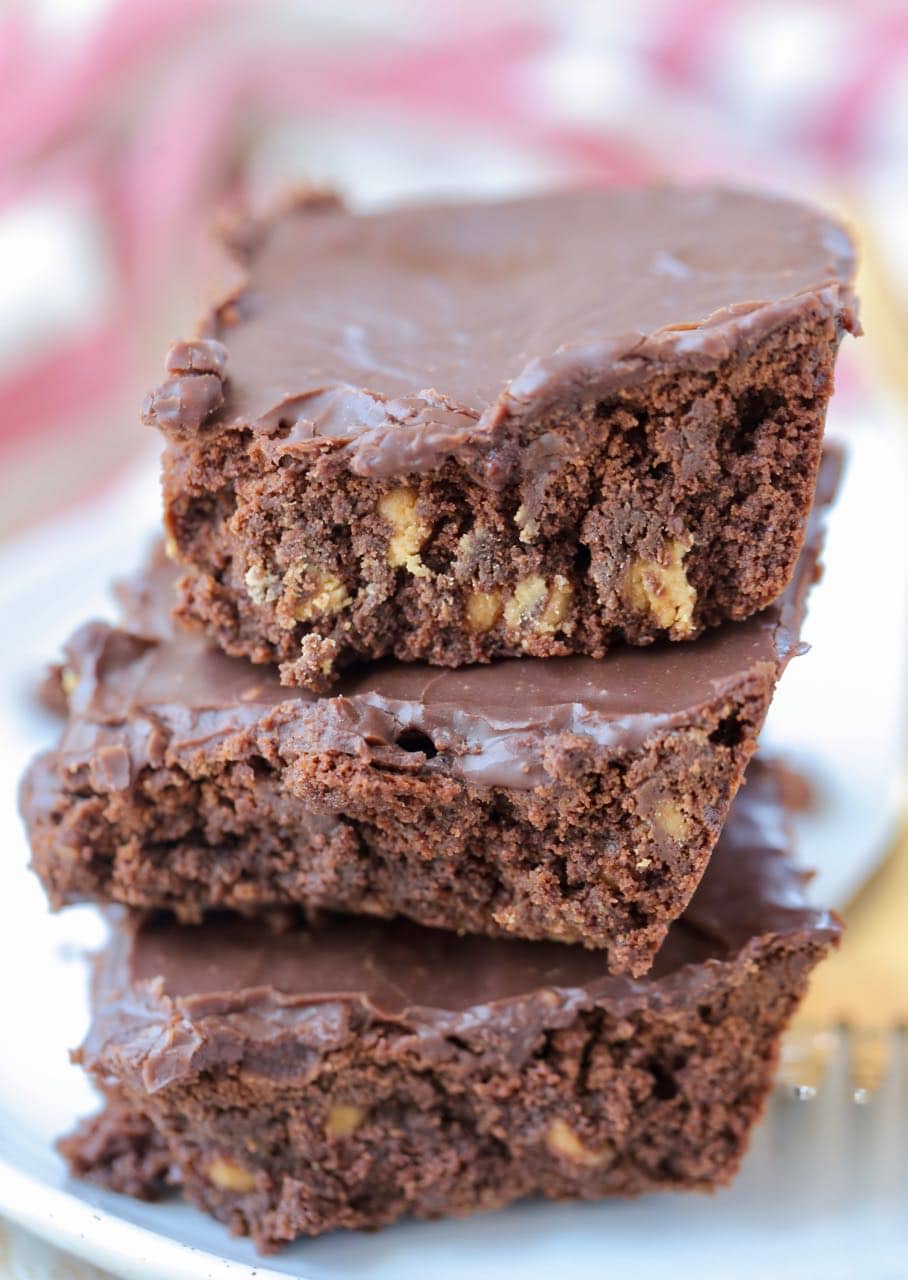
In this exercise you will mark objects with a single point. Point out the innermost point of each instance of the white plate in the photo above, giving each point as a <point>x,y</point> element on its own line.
<point>842,714</point>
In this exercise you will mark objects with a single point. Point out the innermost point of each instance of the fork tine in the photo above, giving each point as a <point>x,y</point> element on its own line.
<point>879,1121</point>
<point>810,1128</point>
<point>805,1059</point>
<point>872,1052</point>
<point>807,1053</point>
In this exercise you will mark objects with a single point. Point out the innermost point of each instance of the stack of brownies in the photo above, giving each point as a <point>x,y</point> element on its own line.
<point>415,755</point>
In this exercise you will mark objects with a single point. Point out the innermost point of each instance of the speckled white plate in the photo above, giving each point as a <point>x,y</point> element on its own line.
<point>798,1208</point>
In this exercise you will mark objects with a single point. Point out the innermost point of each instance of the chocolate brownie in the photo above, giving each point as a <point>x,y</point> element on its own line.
<point>449,433</point>
<point>562,798</point>
<point>346,1074</point>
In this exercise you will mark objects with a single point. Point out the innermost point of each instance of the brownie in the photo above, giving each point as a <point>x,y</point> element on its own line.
<point>559,798</point>
<point>449,433</point>
<point>346,1074</point>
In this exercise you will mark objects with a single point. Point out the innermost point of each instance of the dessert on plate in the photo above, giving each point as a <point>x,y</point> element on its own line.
<point>350,1072</point>
<point>411,773</point>
<point>450,433</point>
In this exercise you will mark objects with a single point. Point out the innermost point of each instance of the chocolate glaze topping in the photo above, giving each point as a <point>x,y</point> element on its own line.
<point>175,999</point>
<point>490,724</point>
<point>417,334</point>
<point>143,691</point>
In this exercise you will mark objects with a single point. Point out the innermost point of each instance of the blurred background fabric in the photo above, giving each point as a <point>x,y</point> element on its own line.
<point>124,125</point>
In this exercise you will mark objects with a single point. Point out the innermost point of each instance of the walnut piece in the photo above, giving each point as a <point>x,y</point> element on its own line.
<point>229,1176</point>
<point>662,590</point>
<point>261,585</point>
<point>398,507</point>
<point>483,610</point>
<point>526,524</point>
<point>672,820</point>
<point>328,596</point>
<point>561,1140</point>
<point>544,608</point>
<point>343,1120</point>
<point>527,598</point>
<point>557,606</point>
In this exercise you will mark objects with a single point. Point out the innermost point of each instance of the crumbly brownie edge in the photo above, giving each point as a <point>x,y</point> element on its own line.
<point>607,855</point>
<point>605,1106</point>
<point>709,477</point>
<point>118,1148</point>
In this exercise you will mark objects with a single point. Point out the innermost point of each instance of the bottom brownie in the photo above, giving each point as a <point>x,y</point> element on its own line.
<point>346,1074</point>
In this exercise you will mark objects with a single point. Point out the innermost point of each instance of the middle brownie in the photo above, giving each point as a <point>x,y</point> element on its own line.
<point>558,798</point>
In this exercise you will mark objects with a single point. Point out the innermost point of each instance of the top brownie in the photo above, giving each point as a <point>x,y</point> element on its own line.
<point>448,433</point>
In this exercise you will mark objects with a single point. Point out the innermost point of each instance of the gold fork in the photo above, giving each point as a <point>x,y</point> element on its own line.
<point>863,988</point>
<point>857,1006</point>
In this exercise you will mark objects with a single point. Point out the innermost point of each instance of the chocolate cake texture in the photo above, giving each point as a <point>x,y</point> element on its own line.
<point>564,798</point>
<point>346,1074</point>
<point>449,433</point>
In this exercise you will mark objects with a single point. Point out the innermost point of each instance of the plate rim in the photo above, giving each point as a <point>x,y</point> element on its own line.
<point>106,1239</point>
<point>47,1206</point>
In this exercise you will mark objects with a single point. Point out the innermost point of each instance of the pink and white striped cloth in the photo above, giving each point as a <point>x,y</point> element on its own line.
<point>136,125</point>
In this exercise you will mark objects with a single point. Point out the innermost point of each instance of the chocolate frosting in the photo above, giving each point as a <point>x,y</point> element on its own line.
<point>409,336</point>
<point>145,694</point>
<point>174,1000</point>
